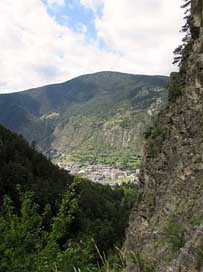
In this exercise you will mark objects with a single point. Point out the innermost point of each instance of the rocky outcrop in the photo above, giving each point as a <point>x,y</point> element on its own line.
<point>166,228</point>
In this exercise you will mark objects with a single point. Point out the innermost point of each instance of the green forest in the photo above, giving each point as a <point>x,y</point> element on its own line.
<point>51,221</point>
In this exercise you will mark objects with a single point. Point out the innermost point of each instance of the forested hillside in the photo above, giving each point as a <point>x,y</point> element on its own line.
<point>51,221</point>
<point>99,117</point>
<point>22,165</point>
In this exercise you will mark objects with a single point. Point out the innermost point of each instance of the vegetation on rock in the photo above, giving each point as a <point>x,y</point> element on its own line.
<point>166,227</point>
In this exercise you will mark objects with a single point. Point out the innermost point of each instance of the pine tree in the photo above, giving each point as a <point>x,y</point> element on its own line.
<point>182,50</point>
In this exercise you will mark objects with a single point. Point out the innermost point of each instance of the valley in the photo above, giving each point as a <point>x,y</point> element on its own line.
<point>104,172</point>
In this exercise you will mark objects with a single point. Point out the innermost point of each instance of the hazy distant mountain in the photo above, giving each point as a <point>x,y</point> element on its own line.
<point>100,115</point>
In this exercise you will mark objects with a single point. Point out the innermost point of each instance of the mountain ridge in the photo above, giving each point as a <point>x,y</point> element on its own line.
<point>84,75</point>
<point>104,110</point>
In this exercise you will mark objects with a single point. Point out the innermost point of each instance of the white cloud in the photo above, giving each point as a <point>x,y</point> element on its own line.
<point>91,4</point>
<point>143,31</point>
<point>36,50</point>
<point>56,2</point>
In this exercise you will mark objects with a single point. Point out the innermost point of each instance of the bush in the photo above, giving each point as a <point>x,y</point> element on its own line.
<point>175,235</point>
<point>199,258</point>
<point>155,137</point>
<point>91,218</point>
<point>175,87</point>
<point>141,264</point>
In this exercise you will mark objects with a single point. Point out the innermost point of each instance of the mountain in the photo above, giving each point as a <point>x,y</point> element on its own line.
<point>98,117</point>
<point>166,226</point>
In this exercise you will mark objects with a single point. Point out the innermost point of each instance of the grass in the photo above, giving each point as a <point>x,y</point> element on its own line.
<point>141,264</point>
<point>175,235</point>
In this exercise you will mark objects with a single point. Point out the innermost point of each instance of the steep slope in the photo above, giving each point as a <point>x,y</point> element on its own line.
<point>165,232</point>
<point>51,221</point>
<point>102,113</point>
<point>21,165</point>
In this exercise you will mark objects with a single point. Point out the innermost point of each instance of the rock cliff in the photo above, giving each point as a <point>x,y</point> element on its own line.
<point>166,227</point>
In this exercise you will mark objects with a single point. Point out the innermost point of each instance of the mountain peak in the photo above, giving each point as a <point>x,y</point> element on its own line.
<point>101,115</point>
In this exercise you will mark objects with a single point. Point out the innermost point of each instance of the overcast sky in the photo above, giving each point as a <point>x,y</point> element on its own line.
<point>48,41</point>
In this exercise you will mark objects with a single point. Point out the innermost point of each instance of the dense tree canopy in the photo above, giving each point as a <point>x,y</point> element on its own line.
<point>51,221</point>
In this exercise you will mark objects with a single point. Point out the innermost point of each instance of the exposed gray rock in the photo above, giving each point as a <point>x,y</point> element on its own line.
<point>165,230</point>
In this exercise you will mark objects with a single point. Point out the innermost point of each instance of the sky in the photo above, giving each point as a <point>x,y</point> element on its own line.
<point>48,41</point>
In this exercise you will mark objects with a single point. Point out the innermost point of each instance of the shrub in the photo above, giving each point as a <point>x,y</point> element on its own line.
<point>175,235</point>
<point>155,137</point>
<point>175,87</point>
<point>142,265</point>
<point>199,258</point>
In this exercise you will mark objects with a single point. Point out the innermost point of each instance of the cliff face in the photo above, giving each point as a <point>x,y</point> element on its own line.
<point>166,228</point>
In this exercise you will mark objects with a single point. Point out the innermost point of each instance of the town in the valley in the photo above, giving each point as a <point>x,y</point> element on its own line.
<point>101,173</point>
